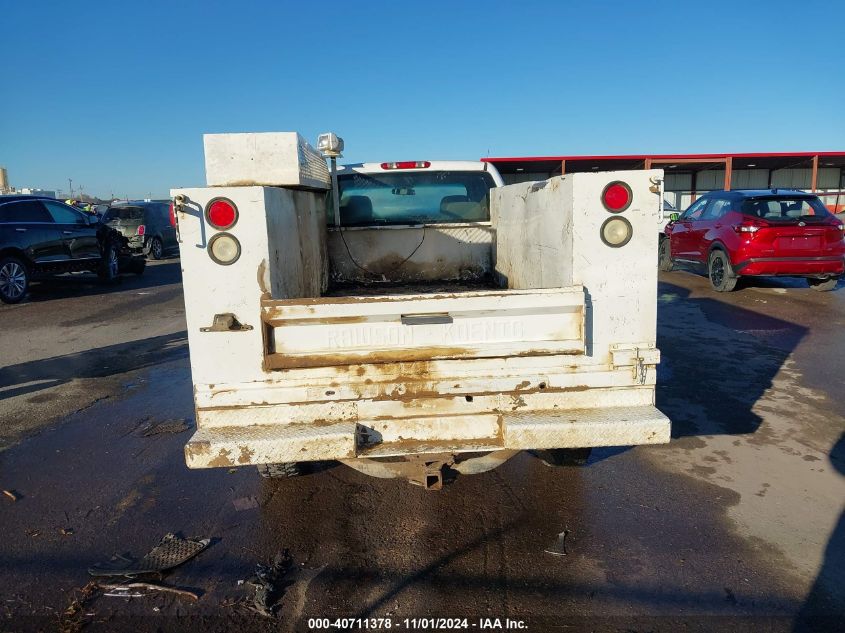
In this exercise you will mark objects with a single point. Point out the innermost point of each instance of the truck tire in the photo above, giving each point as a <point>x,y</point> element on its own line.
<point>822,285</point>
<point>156,249</point>
<point>664,258</point>
<point>283,470</point>
<point>720,273</point>
<point>14,279</point>
<point>564,456</point>
<point>109,268</point>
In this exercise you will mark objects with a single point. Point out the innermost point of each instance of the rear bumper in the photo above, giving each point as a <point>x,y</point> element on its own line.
<point>796,266</point>
<point>221,447</point>
<point>136,244</point>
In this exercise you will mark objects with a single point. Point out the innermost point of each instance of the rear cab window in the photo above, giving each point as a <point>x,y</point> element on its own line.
<point>414,197</point>
<point>785,208</point>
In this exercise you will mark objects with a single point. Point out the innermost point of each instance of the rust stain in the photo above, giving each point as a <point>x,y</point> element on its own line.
<point>222,460</point>
<point>523,384</point>
<point>406,392</point>
<point>337,320</point>
<point>246,455</point>
<point>430,449</point>
<point>379,357</point>
<point>283,361</point>
<point>262,274</point>
<point>198,448</point>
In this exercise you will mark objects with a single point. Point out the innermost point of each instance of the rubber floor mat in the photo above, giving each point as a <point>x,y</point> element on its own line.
<point>170,553</point>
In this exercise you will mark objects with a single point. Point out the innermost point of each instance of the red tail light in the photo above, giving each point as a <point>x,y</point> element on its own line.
<point>616,197</point>
<point>221,213</point>
<point>172,215</point>
<point>407,164</point>
<point>749,226</point>
<point>141,229</point>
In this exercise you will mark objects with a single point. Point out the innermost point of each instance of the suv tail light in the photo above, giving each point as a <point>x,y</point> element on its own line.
<point>749,226</point>
<point>172,215</point>
<point>407,164</point>
<point>141,229</point>
<point>221,213</point>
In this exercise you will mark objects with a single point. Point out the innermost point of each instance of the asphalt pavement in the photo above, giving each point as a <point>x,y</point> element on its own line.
<point>737,524</point>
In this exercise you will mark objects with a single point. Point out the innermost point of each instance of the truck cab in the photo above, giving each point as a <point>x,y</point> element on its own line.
<point>429,322</point>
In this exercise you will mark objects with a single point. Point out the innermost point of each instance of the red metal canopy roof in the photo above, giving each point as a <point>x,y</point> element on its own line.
<point>668,156</point>
<point>672,163</point>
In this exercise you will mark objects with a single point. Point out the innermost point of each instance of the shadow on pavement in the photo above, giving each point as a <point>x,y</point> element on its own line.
<point>99,362</point>
<point>88,284</point>
<point>759,282</point>
<point>717,361</point>
<point>820,611</point>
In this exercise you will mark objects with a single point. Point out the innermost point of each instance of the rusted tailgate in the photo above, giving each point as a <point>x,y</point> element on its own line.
<point>334,331</point>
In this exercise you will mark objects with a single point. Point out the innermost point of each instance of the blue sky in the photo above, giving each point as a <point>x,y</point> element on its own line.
<point>117,95</point>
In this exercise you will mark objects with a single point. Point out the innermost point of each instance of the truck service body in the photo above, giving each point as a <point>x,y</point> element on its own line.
<point>448,323</point>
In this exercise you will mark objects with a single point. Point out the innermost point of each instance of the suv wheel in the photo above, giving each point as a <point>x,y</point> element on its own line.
<point>822,285</point>
<point>109,265</point>
<point>719,270</point>
<point>664,259</point>
<point>156,249</point>
<point>14,280</point>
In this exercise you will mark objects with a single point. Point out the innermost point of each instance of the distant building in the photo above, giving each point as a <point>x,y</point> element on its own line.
<point>37,192</point>
<point>5,187</point>
<point>689,175</point>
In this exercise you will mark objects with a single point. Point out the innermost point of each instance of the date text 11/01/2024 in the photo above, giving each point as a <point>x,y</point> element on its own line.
<point>416,624</point>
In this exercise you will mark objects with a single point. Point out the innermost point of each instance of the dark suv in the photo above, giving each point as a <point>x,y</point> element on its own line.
<point>41,236</point>
<point>149,226</point>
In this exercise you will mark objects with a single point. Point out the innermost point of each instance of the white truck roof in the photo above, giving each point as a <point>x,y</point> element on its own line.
<point>433,165</point>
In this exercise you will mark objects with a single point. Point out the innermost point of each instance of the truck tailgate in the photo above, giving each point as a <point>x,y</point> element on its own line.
<point>332,331</point>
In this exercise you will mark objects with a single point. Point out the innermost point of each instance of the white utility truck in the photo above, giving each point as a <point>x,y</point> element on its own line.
<point>421,321</point>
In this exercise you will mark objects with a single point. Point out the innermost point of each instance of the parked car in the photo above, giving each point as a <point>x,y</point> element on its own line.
<point>41,236</point>
<point>733,234</point>
<point>150,225</point>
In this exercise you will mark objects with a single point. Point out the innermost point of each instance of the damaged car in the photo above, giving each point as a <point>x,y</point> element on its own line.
<point>41,237</point>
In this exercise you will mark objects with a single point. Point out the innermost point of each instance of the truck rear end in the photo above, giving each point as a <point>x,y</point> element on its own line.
<point>440,328</point>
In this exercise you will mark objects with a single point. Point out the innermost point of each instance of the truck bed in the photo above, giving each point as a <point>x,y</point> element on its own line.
<point>422,322</point>
<point>421,288</point>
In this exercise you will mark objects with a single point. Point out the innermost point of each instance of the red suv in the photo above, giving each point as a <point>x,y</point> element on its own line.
<point>749,233</point>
